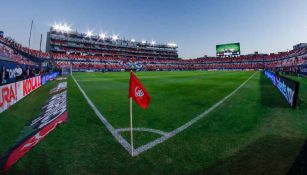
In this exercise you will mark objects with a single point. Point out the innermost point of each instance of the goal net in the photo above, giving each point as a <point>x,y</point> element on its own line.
<point>67,70</point>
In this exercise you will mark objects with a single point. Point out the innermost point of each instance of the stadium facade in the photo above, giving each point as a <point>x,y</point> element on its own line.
<point>61,42</point>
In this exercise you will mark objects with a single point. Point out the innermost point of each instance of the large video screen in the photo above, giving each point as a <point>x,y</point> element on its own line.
<point>232,49</point>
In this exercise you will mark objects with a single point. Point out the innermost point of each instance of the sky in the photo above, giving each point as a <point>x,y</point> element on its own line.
<point>196,26</point>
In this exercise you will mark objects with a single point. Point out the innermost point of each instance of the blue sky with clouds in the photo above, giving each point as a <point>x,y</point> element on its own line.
<point>195,25</point>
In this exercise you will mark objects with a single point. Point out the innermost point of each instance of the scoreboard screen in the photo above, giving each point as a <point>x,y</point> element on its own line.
<point>225,50</point>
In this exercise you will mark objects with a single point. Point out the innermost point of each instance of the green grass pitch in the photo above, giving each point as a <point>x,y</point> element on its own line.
<point>252,132</point>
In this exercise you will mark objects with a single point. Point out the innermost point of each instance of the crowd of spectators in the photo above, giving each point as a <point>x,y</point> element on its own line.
<point>92,65</point>
<point>293,58</point>
<point>17,46</point>
<point>289,60</point>
<point>12,55</point>
<point>18,73</point>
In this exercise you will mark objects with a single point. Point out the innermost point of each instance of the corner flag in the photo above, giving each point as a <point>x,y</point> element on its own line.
<point>138,93</point>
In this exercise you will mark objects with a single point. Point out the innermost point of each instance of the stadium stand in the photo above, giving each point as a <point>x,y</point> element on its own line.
<point>10,55</point>
<point>61,42</point>
<point>88,55</point>
<point>281,61</point>
<point>18,62</point>
<point>18,47</point>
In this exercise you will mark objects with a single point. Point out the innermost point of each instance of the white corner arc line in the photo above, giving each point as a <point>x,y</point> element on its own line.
<point>117,136</point>
<point>143,148</point>
<point>156,131</point>
<point>188,124</point>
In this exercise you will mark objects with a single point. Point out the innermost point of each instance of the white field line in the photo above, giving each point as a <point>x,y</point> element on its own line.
<point>188,124</point>
<point>117,136</point>
<point>165,136</point>
<point>156,131</point>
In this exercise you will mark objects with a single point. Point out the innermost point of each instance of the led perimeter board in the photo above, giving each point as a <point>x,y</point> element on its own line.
<point>287,87</point>
<point>225,50</point>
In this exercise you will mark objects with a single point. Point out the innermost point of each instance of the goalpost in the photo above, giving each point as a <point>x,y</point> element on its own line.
<point>66,70</point>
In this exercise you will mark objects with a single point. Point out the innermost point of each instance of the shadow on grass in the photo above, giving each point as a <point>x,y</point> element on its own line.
<point>267,155</point>
<point>300,164</point>
<point>301,103</point>
<point>270,96</point>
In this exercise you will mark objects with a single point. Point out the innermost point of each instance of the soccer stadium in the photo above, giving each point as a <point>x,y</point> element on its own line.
<point>84,101</point>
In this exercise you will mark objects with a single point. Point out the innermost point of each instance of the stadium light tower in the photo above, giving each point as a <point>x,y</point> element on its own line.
<point>89,33</point>
<point>133,40</point>
<point>114,37</point>
<point>143,42</point>
<point>153,43</point>
<point>102,36</point>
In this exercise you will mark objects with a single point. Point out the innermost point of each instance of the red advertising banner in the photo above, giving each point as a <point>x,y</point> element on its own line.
<point>8,96</point>
<point>13,92</point>
<point>31,84</point>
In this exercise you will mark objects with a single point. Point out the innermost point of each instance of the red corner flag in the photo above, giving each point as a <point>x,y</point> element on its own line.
<point>138,92</point>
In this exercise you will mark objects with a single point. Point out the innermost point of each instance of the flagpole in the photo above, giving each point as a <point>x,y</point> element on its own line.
<point>131,127</point>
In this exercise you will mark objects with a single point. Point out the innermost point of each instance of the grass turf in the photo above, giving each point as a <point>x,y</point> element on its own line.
<point>253,132</point>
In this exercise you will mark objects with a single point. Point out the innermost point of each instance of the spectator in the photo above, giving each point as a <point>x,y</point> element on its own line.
<point>33,72</point>
<point>28,72</point>
<point>4,75</point>
<point>18,72</point>
<point>37,72</point>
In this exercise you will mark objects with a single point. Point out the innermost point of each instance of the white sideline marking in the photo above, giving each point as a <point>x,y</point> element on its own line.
<point>143,148</point>
<point>118,137</point>
<point>156,131</point>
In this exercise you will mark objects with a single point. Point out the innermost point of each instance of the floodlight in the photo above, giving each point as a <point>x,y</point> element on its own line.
<point>114,37</point>
<point>55,26</point>
<point>133,40</point>
<point>143,42</point>
<point>89,33</point>
<point>171,44</point>
<point>61,27</point>
<point>153,43</point>
<point>102,35</point>
<point>66,28</point>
